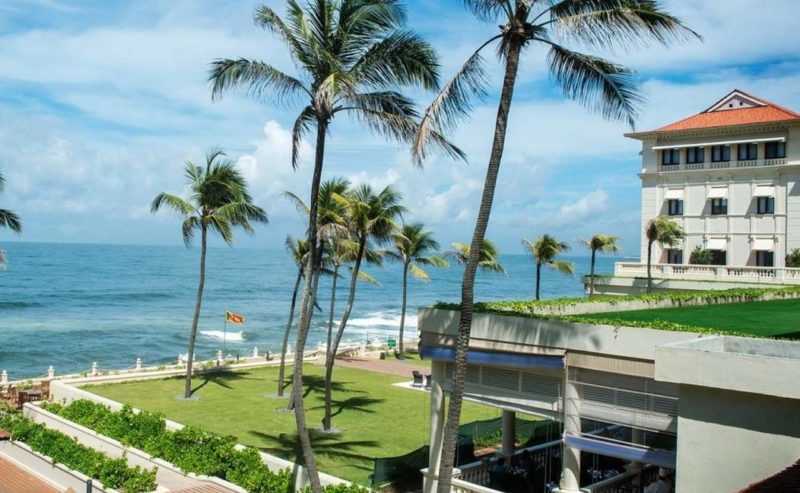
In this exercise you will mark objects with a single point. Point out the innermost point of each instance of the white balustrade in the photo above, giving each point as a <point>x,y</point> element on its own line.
<point>95,371</point>
<point>4,378</point>
<point>138,364</point>
<point>255,352</point>
<point>51,372</point>
<point>766,275</point>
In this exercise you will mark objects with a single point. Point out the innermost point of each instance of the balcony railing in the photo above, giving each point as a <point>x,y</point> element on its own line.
<point>765,275</point>
<point>750,163</point>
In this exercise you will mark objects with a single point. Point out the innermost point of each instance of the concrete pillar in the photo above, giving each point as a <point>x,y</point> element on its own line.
<point>571,457</point>
<point>180,360</point>
<point>437,418</point>
<point>4,378</point>
<point>51,372</point>
<point>288,348</point>
<point>138,364</point>
<point>255,352</point>
<point>95,372</point>
<point>509,445</point>
<point>637,438</point>
<point>219,358</point>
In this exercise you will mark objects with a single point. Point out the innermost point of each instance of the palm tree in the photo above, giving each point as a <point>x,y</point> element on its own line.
<point>600,243</point>
<point>218,201</point>
<point>413,245</point>
<point>602,85</point>
<point>370,217</point>
<point>353,57</point>
<point>487,261</point>
<point>544,250</point>
<point>298,249</point>
<point>8,219</point>
<point>664,231</point>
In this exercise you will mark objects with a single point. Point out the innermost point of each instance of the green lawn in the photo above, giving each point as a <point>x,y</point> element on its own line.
<point>775,318</point>
<point>376,419</point>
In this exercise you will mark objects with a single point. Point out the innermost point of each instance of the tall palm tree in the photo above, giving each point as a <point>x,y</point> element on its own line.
<point>8,219</point>
<point>600,243</point>
<point>667,233</point>
<point>218,201</point>
<point>591,80</point>
<point>487,261</point>
<point>544,250</point>
<point>353,56</point>
<point>298,249</point>
<point>412,246</point>
<point>370,217</point>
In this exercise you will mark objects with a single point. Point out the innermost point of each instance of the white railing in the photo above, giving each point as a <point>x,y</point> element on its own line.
<point>745,163</point>
<point>624,482</point>
<point>619,399</point>
<point>765,275</point>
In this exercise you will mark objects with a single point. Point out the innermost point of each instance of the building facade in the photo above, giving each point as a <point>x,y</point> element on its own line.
<point>730,176</point>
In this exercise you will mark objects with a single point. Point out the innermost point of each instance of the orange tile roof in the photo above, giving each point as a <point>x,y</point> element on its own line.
<point>725,118</point>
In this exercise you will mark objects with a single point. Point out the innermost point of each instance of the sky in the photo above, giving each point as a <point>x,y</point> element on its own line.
<point>102,102</point>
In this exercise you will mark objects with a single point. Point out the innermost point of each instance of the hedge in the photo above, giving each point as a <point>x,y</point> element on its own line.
<point>190,448</point>
<point>60,448</point>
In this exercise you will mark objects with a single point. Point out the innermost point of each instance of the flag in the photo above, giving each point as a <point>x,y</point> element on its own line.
<point>234,318</point>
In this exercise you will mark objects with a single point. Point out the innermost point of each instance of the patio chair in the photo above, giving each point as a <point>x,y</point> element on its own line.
<point>417,378</point>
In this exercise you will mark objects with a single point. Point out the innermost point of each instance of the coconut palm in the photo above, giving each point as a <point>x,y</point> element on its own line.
<point>667,233</point>
<point>218,201</point>
<point>544,250</point>
<point>602,85</point>
<point>412,246</point>
<point>298,249</point>
<point>353,57</point>
<point>370,217</point>
<point>8,219</point>
<point>600,243</point>
<point>487,261</point>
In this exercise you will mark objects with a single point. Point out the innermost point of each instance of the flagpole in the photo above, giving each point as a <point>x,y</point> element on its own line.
<point>225,334</point>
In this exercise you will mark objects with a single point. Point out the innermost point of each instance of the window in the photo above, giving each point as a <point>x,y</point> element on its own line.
<point>718,257</point>
<point>774,150</point>
<point>675,207</point>
<point>719,206</point>
<point>720,153</point>
<point>674,256</point>
<point>670,156</point>
<point>765,259</point>
<point>748,152</point>
<point>695,155</point>
<point>765,205</point>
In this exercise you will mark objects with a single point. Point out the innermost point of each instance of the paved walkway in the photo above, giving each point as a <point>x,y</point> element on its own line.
<point>16,480</point>
<point>388,366</point>
<point>206,488</point>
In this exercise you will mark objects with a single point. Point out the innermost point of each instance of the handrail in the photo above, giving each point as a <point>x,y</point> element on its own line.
<point>756,274</point>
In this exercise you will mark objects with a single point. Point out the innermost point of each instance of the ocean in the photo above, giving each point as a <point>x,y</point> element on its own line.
<point>69,305</point>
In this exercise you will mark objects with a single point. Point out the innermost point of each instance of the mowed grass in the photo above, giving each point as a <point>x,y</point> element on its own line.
<point>774,318</point>
<point>375,418</point>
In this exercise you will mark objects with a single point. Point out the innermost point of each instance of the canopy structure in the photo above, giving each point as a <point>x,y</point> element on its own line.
<point>763,244</point>
<point>674,194</point>
<point>717,244</point>
<point>722,142</point>
<point>718,193</point>
<point>764,191</point>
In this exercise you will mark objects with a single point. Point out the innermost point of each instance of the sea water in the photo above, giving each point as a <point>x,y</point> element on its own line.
<point>69,305</point>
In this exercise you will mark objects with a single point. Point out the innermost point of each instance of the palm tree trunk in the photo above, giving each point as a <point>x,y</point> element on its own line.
<point>591,275</point>
<point>312,268</point>
<point>400,354</point>
<point>538,278</point>
<point>331,359</point>
<point>187,391</point>
<point>450,436</point>
<point>331,309</point>
<point>649,255</point>
<point>329,355</point>
<point>285,345</point>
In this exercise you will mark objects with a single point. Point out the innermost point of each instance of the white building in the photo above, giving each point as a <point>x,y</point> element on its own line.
<point>730,175</point>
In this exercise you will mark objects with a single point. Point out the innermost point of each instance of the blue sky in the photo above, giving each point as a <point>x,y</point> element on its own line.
<point>101,102</point>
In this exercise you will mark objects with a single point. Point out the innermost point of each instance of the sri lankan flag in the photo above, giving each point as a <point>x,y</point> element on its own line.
<point>234,318</point>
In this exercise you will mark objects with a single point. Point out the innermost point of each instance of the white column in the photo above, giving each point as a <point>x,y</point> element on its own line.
<point>138,364</point>
<point>571,458</point>
<point>219,358</point>
<point>637,438</point>
<point>95,372</point>
<point>255,352</point>
<point>51,372</point>
<point>509,444</point>
<point>180,360</point>
<point>436,426</point>
<point>4,378</point>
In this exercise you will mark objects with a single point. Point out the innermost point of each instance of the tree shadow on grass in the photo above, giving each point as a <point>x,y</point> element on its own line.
<point>316,384</point>
<point>221,378</point>
<point>288,445</point>
<point>358,403</point>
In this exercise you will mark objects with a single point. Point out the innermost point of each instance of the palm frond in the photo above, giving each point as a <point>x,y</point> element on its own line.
<point>490,10</point>
<point>299,204</point>
<point>596,83</point>
<point>301,127</point>
<point>222,227</point>
<point>178,204</point>
<point>402,58</point>
<point>10,220</point>
<point>562,266</point>
<point>3,260</point>
<point>256,78</point>
<point>363,276</point>
<point>418,273</point>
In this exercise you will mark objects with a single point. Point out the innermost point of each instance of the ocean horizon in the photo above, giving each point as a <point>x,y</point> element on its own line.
<point>69,304</point>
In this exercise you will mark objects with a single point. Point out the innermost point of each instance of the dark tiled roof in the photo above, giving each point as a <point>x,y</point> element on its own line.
<point>786,481</point>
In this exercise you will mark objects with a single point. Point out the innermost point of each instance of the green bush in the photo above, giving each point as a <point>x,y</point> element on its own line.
<point>112,473</point>
<point>190,448</point>
<point>701,256</point>
<point>793,259</point>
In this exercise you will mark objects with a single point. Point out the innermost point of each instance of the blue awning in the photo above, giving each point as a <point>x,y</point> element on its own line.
<point>656,457</point>
<point>497,359</point>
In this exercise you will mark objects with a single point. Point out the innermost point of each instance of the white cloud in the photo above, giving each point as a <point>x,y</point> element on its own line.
<point>590,205</point>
